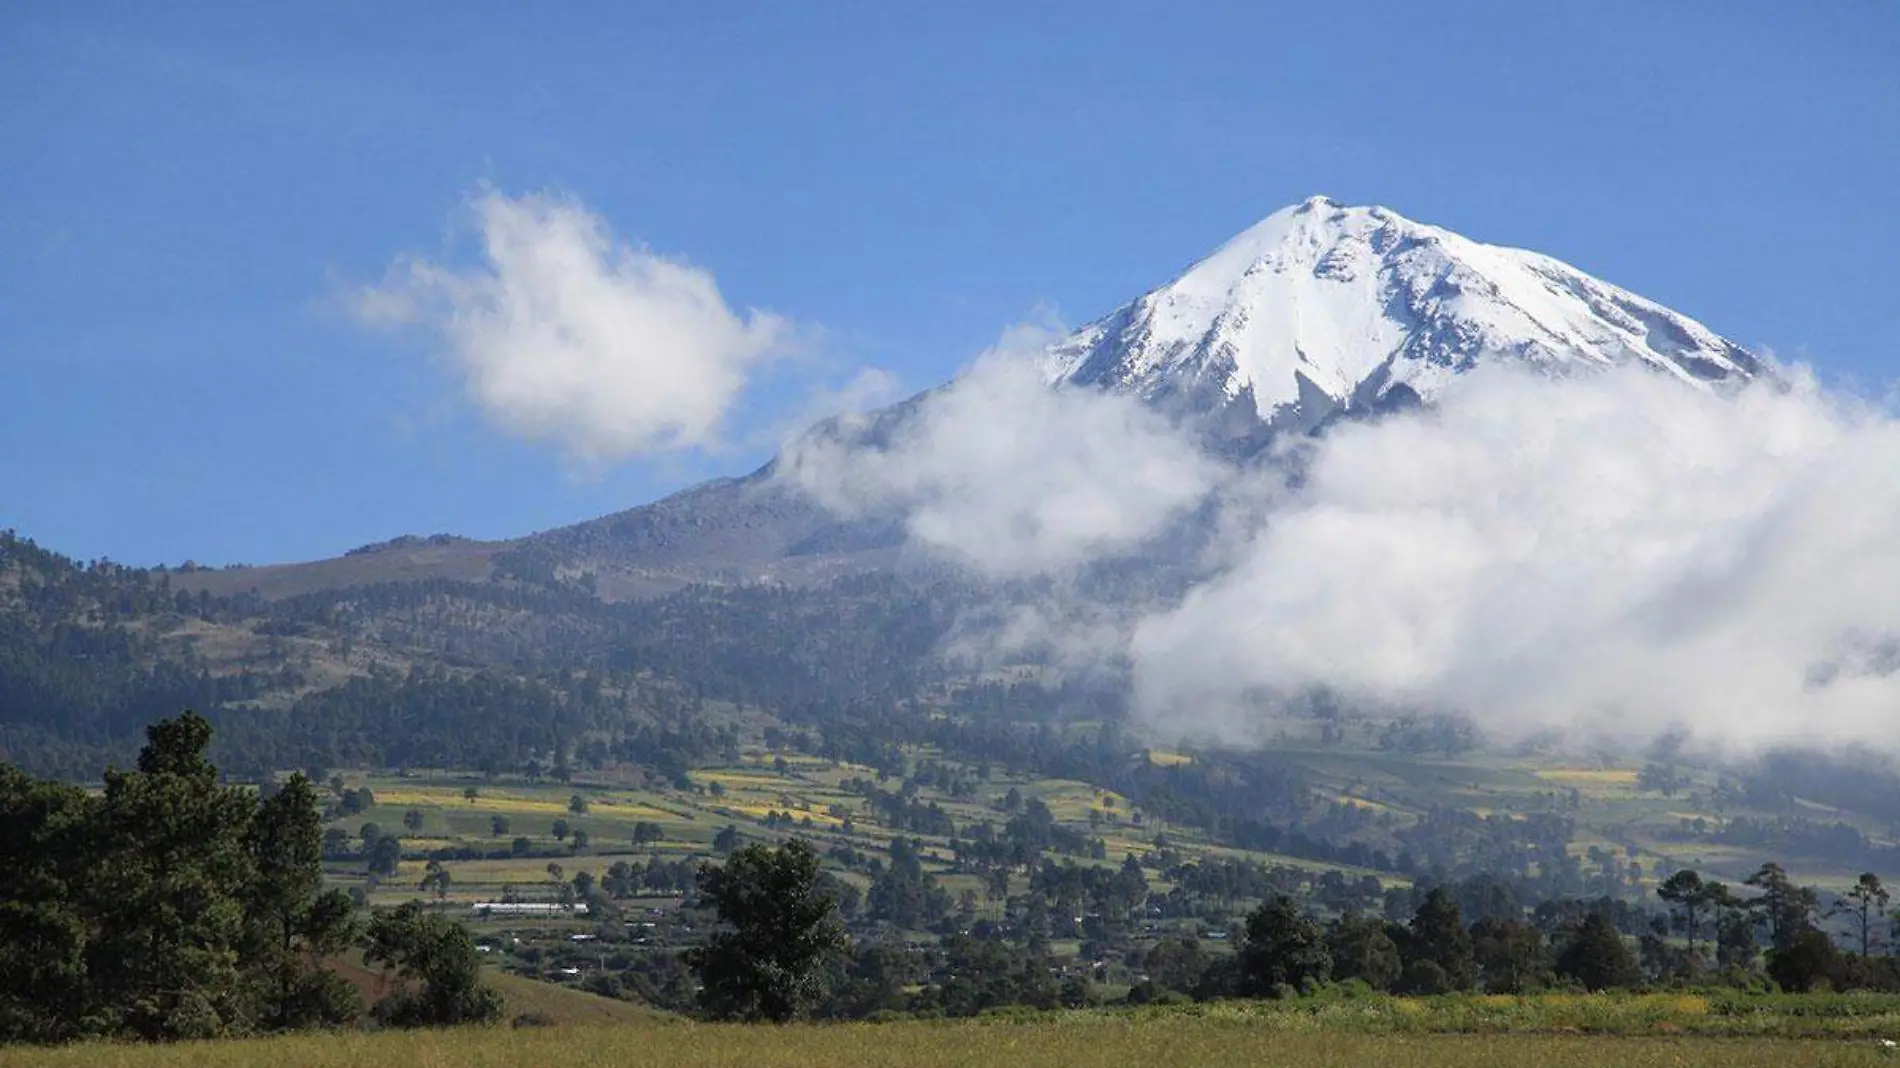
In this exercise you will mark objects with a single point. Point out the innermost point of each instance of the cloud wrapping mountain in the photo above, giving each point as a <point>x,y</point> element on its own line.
<point>564,333</point>
<point>1356,455</point>
<point>1003,475</point>
<point>1604,518</point>
<point>1603,553</point>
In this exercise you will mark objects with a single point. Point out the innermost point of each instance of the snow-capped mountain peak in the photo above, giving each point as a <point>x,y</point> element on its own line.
<point>1322,307</point>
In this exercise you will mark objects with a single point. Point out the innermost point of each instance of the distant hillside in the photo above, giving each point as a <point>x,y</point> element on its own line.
<point>728,531</point>
<point>542,678</point>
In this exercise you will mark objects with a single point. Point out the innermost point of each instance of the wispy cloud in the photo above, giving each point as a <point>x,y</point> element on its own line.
<point>1000,473</point>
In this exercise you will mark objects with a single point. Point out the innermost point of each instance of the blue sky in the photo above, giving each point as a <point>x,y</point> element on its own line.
<point>186,194</point>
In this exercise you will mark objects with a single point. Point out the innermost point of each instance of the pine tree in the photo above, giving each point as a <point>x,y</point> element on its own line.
<point>1864,904</point>
<point>293,921</point>
<point>166,955</point>
<point>45,934</point>
<point>167,907</point>
<point>1689,902</point>
<point>1786,908</point>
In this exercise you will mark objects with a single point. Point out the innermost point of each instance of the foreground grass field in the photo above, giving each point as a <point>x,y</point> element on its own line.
<point>1074,1041</point>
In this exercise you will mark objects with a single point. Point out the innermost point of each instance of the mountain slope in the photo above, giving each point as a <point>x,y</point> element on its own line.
<point>1321,308</point>
<point>1318,312</point>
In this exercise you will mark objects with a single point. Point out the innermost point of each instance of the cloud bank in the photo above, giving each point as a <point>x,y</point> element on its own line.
<point>1608,552</point>
<point>564,333</point>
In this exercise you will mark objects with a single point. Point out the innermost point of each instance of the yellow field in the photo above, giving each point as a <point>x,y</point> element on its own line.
<point>512,804</point>
<point>751,780</point>
<point>524,870</point>
<point>1071,800</point>
<point>1361,802</point>
<point>759,812</point>
<point>1589,776</point>
<point>1165,759</point>
<point>1078,1041</point>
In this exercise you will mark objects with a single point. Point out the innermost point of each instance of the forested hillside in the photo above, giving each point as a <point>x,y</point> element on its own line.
<point>540,676</point>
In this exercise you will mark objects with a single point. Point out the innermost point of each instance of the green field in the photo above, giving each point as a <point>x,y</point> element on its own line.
<point>1239,1036</point>
<point>1611,812</point>
<point>747,794</point>
<point>771,795</point>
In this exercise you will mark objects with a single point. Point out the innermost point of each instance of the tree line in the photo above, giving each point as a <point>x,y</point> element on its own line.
<point>782,950</point>
<point>170,906</point>
<point>518,674</point>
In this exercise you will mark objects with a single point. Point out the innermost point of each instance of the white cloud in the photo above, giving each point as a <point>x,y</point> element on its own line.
<point>1000,473</point>
<point>564,333</point>
<point>1608,552</point>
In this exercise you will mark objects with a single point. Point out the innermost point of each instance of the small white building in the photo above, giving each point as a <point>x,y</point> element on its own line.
<point>526,908</point>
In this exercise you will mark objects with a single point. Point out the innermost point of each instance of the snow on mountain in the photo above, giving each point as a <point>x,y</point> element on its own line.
<point>1321,308</point>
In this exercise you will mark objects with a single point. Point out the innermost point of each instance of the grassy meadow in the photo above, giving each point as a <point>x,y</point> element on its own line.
<point>1631,1032</point>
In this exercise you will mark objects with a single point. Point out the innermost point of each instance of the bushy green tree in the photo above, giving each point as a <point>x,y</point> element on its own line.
<point>1438,938</point>
<point>1510,954</point>
<point>1362,949</point>
<point>1807,961</point>
<point>780,932</point>
<point>873,979</point>
<point>904,894</point>
<point>1285,950</point>
<point>385,856</point>
<point>1597,956</point>
<point>1175,964</point>
<point>980,974</point>
<point>438,967</point>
